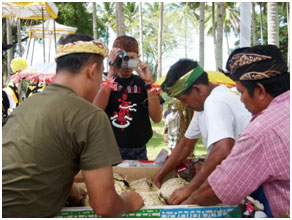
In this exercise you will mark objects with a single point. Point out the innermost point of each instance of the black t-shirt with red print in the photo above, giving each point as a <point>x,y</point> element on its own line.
<point>127,110</point>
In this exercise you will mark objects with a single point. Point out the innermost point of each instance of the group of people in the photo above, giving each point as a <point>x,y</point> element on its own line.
<point>83,124</point>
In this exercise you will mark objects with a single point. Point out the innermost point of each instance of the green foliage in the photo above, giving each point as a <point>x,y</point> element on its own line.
<point>150,34</point>
<point>76,14</point>
<point>231,18</point>
<point>283,27</point>
<point>131,15</point>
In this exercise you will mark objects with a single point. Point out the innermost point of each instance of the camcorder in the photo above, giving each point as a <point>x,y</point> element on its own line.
<point>123,61</point>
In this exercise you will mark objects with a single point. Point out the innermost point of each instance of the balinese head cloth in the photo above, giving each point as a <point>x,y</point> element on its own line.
<point>94,46</point>
<point>256,63</point>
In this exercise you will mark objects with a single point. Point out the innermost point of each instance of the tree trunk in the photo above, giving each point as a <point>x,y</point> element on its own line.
<point>185,31</point>
<point>227,42</point>
<point>273,24</point>
<point>120,19</point>
<point>254,21</point>
<point>261,23</point>
<point>141,31</point>
<point>155,71</point>
<point>219,38</point>
<point>159,69</point>
<point>245,24</point>
<point>9,41</point>
<point>94,20</point>
<point>19,38</point>
<point>202,42</point>
<point>214,27</point>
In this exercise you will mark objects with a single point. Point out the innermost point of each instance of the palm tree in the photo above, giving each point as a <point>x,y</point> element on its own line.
<point>261,24</point>
<point>151,15</point>
<point>131,13</point>
<point>107,17</point>
<point>159,71</point>
<point>214,28</point>
<point>273,23</point>
<point>150,35</point>
<point>9,52</point>
<point>141,31</point>
<point>202,24</point>
<point>94,20</point>
<point>230,22</point>
<point>186,19</point>
<point>254,21</point>
<point>120,19</point>
<point>219,37</point>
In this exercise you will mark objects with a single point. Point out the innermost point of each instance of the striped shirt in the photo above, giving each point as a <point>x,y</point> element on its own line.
<point>261,156</point>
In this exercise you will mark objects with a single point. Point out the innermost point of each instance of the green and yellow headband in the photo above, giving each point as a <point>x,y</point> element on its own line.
<point>183,83</point>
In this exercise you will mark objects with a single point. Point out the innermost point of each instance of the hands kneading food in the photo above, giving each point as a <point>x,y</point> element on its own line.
<point>151,194</point>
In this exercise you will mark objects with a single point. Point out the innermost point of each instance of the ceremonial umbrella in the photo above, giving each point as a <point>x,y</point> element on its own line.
<point>29,10</point>
<point>50,29</point>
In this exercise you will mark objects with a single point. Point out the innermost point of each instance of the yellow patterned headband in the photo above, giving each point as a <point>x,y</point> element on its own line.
<point>94,46</point>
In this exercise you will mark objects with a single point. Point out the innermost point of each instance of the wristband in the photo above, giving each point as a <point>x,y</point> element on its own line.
<point>148,86</point>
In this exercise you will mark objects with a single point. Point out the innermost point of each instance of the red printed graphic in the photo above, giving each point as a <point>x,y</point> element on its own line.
<point>122,118</point>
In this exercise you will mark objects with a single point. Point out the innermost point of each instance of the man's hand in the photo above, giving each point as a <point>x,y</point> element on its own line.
<point>76,195</point>
<point>180,195</point>
<point>112,57</point>
<point>144,72</point>
<point>158,179</point>
<point>184,147</point>
<point>204,196</point>
<point>134,199</point>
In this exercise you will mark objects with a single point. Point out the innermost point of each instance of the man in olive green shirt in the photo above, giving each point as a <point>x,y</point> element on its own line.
<point>54,134</point>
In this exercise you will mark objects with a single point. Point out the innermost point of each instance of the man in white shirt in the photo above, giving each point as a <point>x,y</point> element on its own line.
<point>219,118</point>
<point>172,124</point>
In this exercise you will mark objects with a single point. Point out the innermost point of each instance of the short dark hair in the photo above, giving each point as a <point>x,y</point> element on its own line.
<point>127,43</point>
<point>274,86</point>
<point>74,62</point>
<point>180,68</point>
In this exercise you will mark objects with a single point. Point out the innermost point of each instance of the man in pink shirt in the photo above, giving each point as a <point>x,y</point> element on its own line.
<point>261,156</point>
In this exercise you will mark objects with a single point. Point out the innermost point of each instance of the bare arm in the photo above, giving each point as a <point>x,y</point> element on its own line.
<point>154,108</point>
<point>102,97</point>
<point>219,152</point>
<point>180,153</point>
<point>204,196</point>
<point>102,195</point>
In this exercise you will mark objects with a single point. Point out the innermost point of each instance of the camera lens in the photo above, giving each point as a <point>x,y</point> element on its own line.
<point>123,54</point>
<point>126,57</point>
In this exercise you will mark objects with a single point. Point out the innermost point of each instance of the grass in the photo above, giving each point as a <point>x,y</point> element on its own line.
<point>156,143</point>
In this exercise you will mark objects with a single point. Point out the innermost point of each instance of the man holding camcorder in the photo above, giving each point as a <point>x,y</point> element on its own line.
<point>129,99</point>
